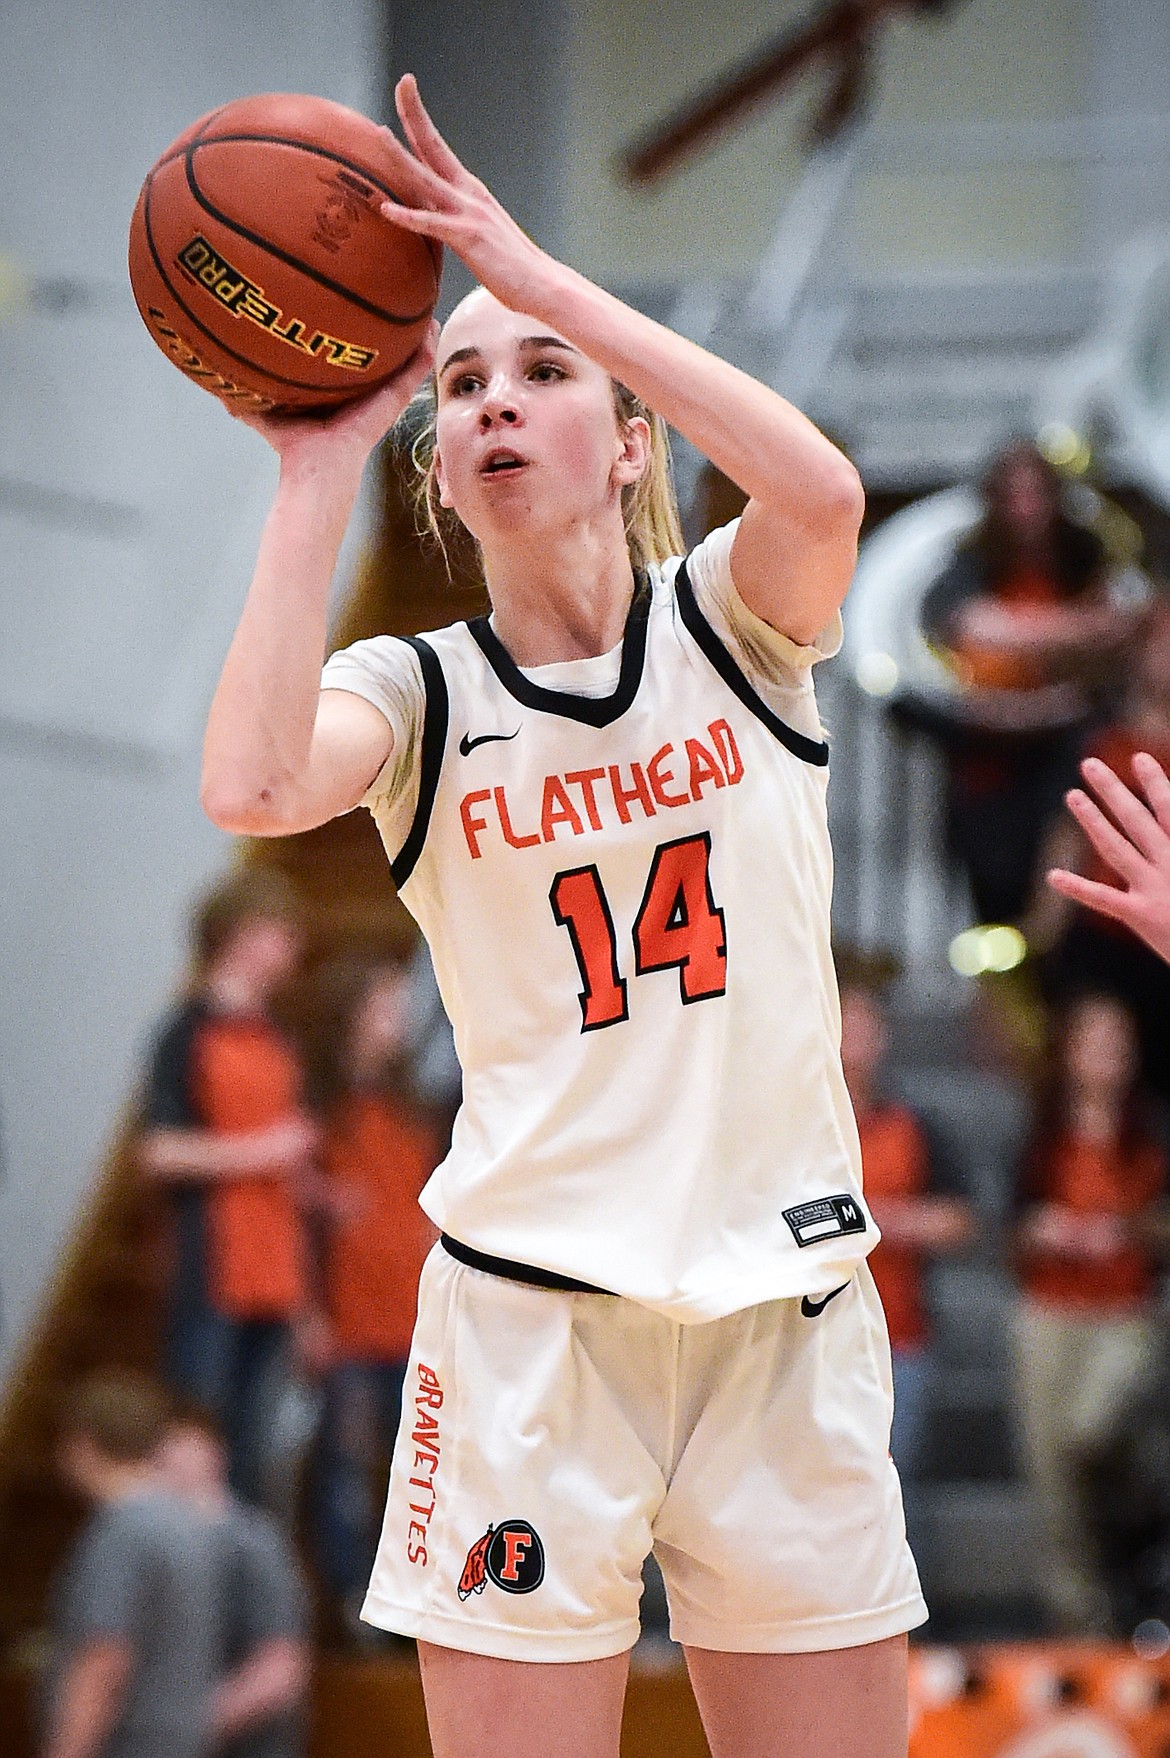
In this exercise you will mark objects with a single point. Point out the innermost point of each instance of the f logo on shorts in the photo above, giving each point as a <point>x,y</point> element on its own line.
<point>516,1544</point>
<point>510,1555</point>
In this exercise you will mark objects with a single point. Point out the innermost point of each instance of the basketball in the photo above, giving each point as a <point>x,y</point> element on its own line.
<point>261,265</point>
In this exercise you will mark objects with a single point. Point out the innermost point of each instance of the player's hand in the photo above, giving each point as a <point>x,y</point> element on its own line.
<point>1134,840</point>
<point>443,200</point>
<point>352,431</point>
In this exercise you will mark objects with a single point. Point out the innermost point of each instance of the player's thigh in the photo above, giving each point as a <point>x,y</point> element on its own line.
<point>840,1703</point>
<point>476,1703</point>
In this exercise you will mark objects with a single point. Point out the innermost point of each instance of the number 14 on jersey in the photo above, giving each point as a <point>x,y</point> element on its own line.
<point>678,926</point>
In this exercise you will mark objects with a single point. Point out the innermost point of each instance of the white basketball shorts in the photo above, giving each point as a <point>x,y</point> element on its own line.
<point>549,1440</point>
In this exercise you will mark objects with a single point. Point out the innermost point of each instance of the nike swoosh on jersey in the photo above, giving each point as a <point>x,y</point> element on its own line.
<point>811,1308</point>
<point>467,746</point>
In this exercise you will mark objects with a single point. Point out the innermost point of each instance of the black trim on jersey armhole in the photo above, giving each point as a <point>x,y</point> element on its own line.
<point>589,710</point>
<point>434,743</point>
<point>809,750</point>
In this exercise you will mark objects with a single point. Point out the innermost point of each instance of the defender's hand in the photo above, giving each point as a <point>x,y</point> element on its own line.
<point>1134,841</point>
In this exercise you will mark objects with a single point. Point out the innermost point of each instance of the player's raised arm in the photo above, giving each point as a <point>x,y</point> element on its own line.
<point>797,546</point>
<point>279,754</point>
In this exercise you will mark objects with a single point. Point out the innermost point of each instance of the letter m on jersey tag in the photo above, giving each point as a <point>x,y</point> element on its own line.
<point>825,1219</point>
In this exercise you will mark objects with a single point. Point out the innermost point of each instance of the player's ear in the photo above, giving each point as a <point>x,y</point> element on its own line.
<point>441,479</point>
<point>633,450</point>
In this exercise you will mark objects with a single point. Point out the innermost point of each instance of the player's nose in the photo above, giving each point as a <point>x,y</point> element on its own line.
<point>500,403</point>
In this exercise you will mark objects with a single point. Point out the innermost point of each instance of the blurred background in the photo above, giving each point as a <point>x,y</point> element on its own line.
<point>944,230</point>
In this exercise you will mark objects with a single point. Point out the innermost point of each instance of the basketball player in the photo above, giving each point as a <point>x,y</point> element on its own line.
<point>649,1322</point>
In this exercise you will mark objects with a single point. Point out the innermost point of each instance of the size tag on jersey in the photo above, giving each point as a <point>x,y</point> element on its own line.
<point>825,1219</point>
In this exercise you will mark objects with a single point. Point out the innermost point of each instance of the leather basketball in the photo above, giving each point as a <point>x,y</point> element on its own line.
<point>261,265</point>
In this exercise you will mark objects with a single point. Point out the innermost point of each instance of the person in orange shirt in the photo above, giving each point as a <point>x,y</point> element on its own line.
<point>1022,609</point>
<point>226,1133</point>
<point>1024,614</point>
<point>379,1148</point>
<point>918,1219</point>
<point>1085,1325</point>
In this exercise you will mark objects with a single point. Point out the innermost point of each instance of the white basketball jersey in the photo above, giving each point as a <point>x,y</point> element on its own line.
<point>627,903</point>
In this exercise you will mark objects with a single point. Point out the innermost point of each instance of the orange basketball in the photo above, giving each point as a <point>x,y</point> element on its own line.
<point>261,265</point>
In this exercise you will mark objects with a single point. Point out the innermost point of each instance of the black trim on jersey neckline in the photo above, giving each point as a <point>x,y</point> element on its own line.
<point>529,1274</point>
<point>810,750</point>
<point>589,710</point>
<point>434,743</point>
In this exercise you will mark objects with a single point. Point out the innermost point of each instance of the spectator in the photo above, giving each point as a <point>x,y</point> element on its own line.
<point>917,1216</point>
<point>1085,1325</point>
<point>378,1150</point>
<point>227,1134</point>
<point>1094,951</point>
<point>258,1710</point>
<point>1021,607</point>
<point>134,1650</point>
<point>1025,613</point>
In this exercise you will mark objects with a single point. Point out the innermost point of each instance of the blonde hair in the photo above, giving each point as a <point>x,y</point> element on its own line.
<point>649,507</point>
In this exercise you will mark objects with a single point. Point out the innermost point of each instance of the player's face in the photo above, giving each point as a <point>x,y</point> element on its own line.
<point>528,438</point>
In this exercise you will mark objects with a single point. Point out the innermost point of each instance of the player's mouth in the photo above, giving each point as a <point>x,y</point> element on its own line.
<point>502,461</point>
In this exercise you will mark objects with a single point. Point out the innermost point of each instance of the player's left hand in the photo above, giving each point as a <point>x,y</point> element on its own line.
<point>441,198</point>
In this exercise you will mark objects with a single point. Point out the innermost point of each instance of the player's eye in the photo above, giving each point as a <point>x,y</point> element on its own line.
<point>462,383</point>
<point>546,372</point>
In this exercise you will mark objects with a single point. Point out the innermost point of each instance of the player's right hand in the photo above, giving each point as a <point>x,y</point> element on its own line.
<point>357,427</point>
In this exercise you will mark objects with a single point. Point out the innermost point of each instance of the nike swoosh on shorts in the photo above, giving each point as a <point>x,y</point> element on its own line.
<point>811,1308</point>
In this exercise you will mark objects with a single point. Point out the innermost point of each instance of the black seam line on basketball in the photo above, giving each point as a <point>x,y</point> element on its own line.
<point>467,744</point>
<point>595,711</point>
<point>169,158</point>
<point>285,256</point>
<point>279,378</point>
<point>434,743</point>
<point>809,750</point>
<point>811,1308</point>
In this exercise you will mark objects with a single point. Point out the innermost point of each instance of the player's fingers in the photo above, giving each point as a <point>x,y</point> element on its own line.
<point>1107,900</point>
<point>377,411</point>
<point>422,134</point>
<point>447,228</point>
<point>1133,815</point>
<point>1122,856</point>
<point>1155,785</point>
<point>414,181</point>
